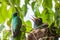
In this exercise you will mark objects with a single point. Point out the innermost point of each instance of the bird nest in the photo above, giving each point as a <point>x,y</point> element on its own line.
<point>42,34</point>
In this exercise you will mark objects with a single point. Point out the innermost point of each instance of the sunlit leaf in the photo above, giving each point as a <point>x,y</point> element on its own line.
<point>11,10</point>
<point>1,17</point>
<point>47,16</point>
<point>39,2</point>
<point>33,4</point>
<point>27,1</point>
<point>12,2</point>
<point>35,9</point>
<point>3,11</point>
<point>56,1</point>
<point>7,1</point>
<point>47,3</point>
<point>17,2</point>
<point>28,26</point>
<point>9,22</point>
<point>23,28</point>
<point>0,0</point>
<point>37,13</point>
<point>24,10</point>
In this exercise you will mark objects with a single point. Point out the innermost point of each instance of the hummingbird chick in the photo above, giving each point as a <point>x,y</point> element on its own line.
<point>38,23</point>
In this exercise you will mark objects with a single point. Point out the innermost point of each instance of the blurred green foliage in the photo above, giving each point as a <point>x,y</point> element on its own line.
<point>57,16</point>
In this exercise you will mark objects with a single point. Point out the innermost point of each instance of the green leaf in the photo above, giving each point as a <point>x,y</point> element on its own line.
<point>47,16</point>
<point>20,11</point>
<point>10,11</point>
<point>43,16</point>
<point>35,9</point>
<point>1,17</point>
<point>24,10</point>
<point>47,3</point>
<point>7,2</point>
<point>3,12</point>
<point>28,26</point>
<point>33,4</point>
<point>56,1</point>
<point>22,36</point>
<point>9,22</point>
<point>39,2</point>
<point>17,2</point>
<point>37,13</point>
<point>23,29</point>
<point>0,0</point>
<point>36,3</point>
<point>12,2</point>
<point>27,1</point>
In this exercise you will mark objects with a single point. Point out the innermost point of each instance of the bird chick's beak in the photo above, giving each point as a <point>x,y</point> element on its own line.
<point>34,19</point>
